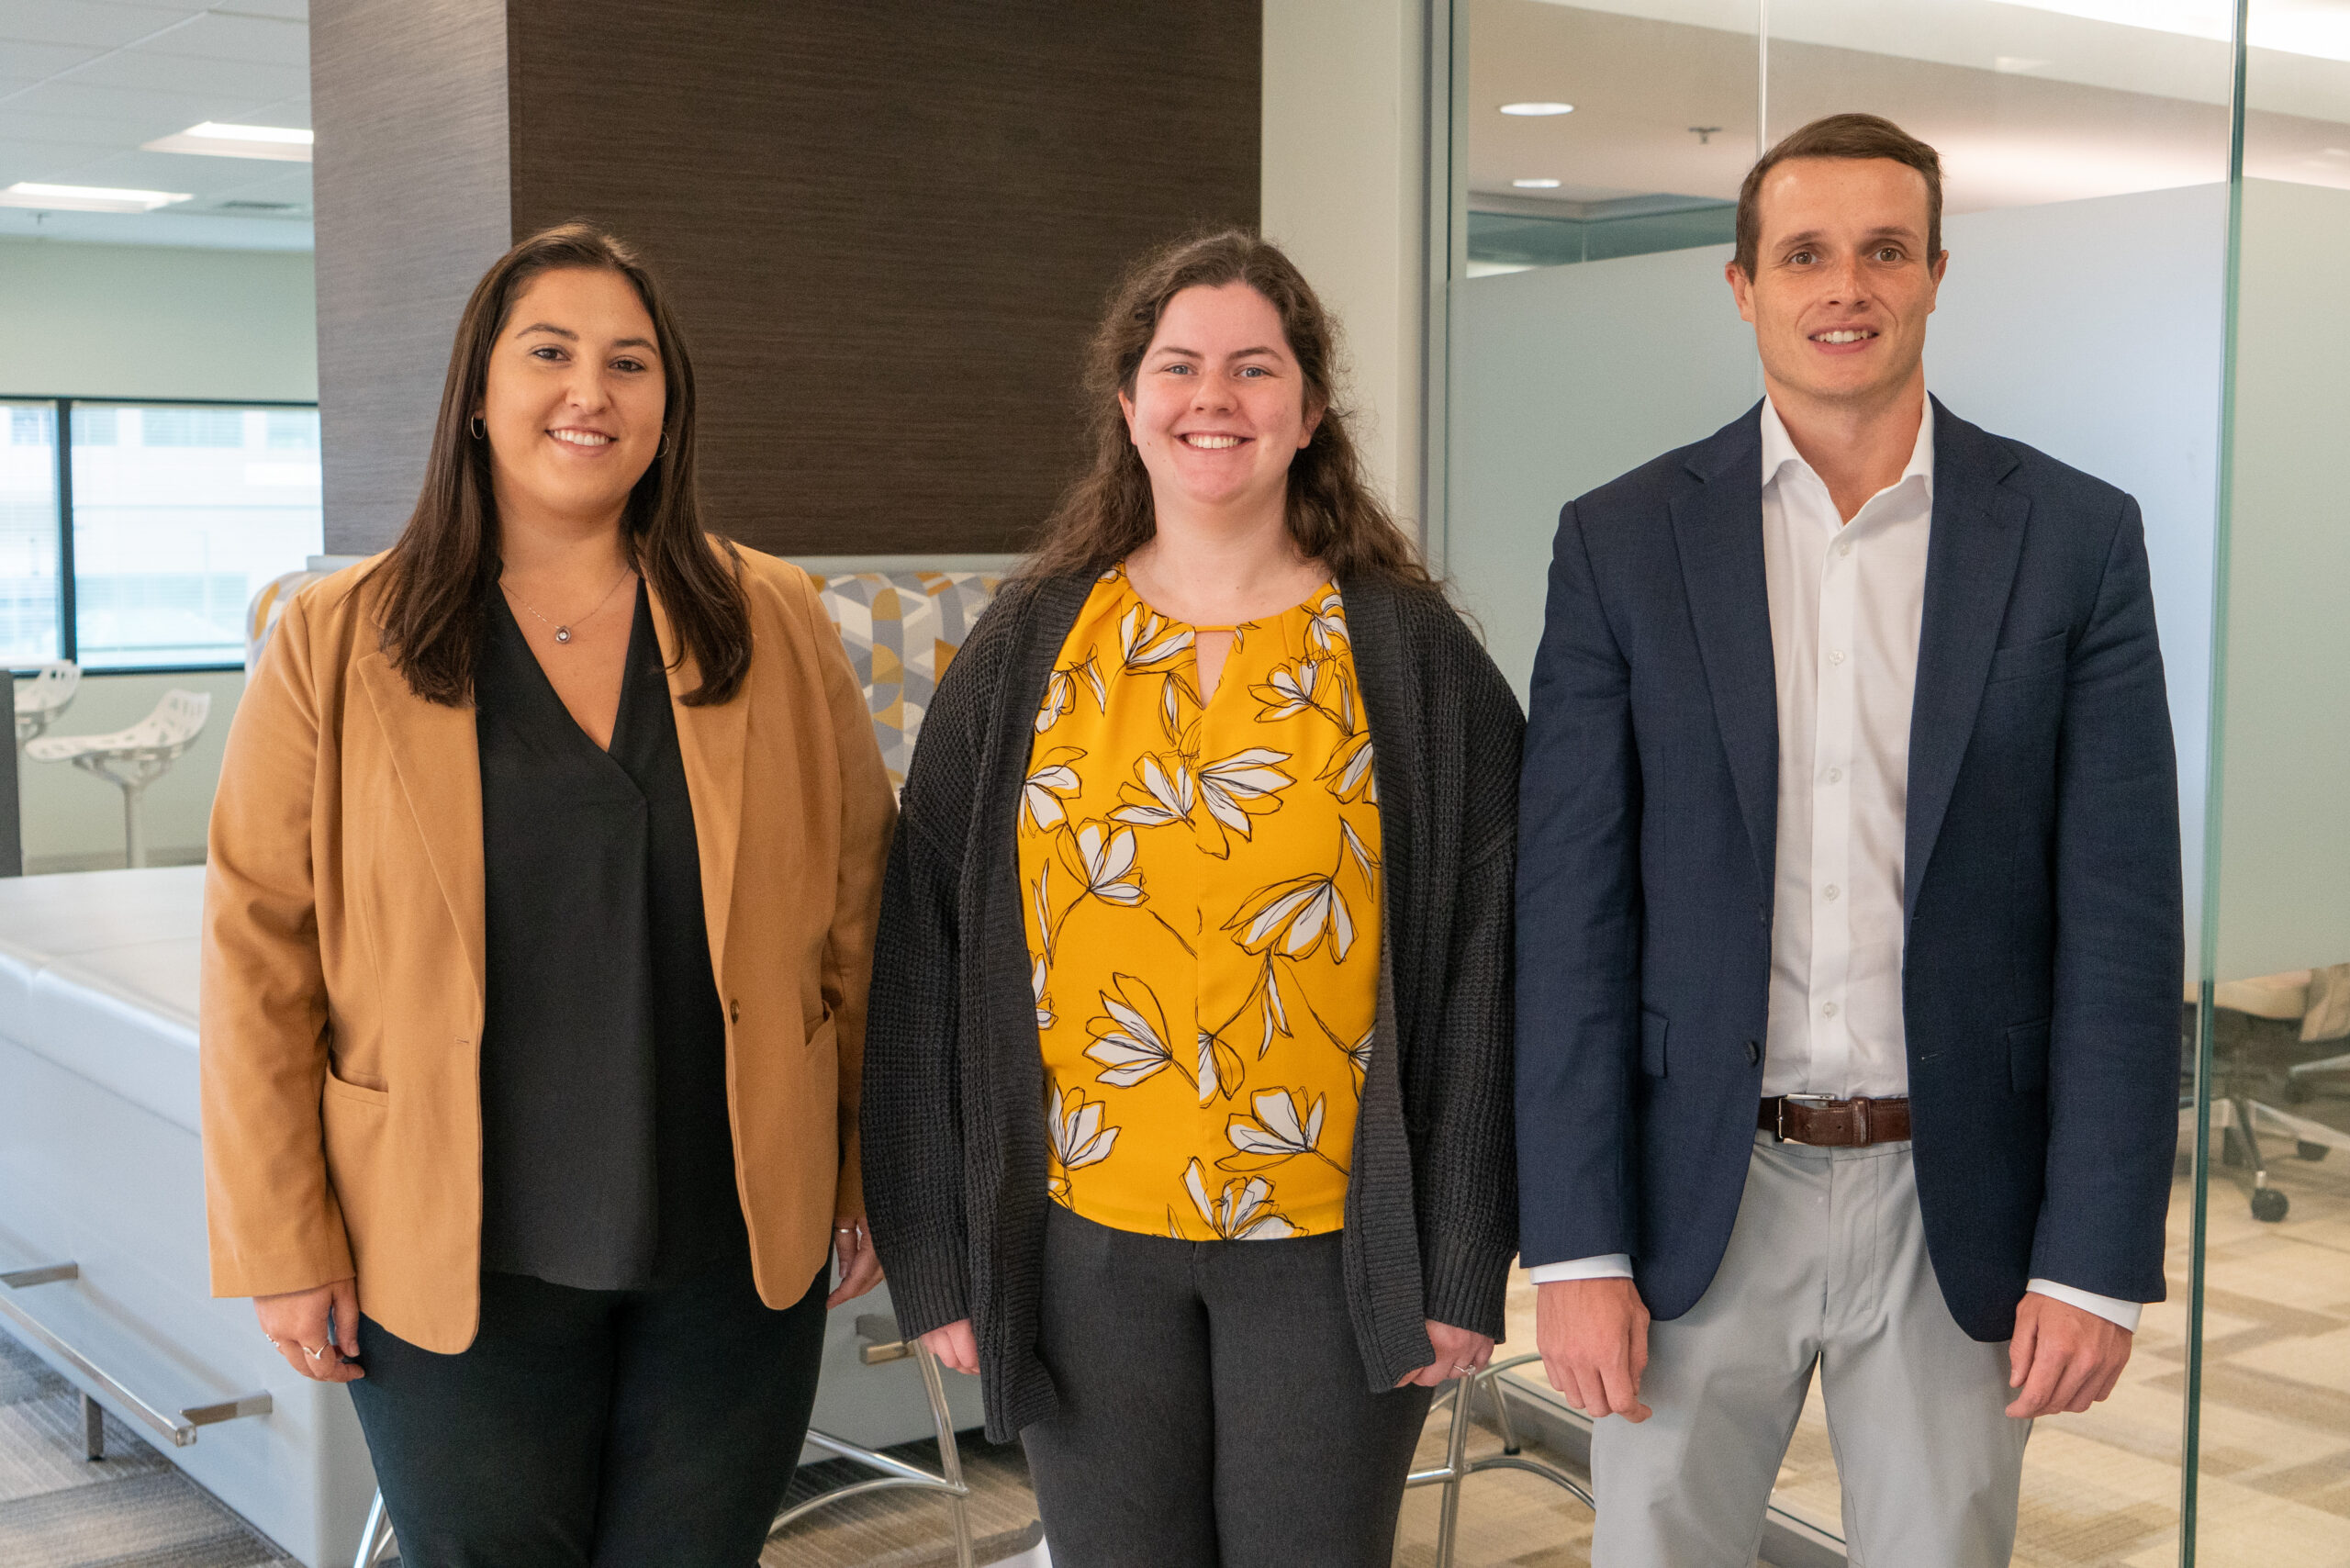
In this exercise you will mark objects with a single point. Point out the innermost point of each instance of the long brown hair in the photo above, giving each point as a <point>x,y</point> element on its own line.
<point>434,586</point>
<point>1333,514</point>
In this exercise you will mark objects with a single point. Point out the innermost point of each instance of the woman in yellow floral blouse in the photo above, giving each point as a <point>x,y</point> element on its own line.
<point>1187,1112</point>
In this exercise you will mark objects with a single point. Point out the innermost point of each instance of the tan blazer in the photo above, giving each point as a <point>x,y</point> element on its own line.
<point>342,957</point>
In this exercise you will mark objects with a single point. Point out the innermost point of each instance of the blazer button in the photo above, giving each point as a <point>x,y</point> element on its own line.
<point>1753,1053</point>
<point>734,1012</point>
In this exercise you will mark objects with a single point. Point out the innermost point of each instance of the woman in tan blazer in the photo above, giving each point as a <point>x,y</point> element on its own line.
<point>544,870</point>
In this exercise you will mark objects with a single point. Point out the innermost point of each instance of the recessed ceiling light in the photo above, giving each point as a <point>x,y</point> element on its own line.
<point>285,142</point>
<point>86,198</point>
<point>1536,185</point>
<point>1535,111</point>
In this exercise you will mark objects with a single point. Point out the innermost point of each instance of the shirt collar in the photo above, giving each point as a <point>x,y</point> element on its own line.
<point>1779,448</point>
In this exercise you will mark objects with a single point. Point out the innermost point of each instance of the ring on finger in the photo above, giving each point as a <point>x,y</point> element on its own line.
<point>314,1355</point>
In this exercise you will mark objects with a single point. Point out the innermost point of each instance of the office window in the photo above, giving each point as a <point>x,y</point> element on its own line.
<point>29,533</point>
<point>171,516</point>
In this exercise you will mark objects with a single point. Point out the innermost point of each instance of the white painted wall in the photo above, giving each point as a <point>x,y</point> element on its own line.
<point>1344,181</point>
<point>2090,329</point>
<point>85,321</point>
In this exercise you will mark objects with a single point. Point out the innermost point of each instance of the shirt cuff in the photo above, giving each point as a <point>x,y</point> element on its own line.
<point>1607,1266</point>
<point>2123,1314</point>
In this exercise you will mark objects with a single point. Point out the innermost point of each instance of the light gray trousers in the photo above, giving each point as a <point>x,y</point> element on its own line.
<point>1826,1268</point>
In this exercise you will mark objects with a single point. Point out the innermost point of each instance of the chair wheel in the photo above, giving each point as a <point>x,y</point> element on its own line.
<point>2311,1152</point>
<point>2268,1205</point>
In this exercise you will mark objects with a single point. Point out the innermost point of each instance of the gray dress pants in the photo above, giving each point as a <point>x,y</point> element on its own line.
<point>1826,1268</point>
<point>1213,1409</point>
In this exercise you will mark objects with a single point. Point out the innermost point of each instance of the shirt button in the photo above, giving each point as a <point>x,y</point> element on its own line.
<point>1829,894</point>
<point>1835,776</point>
<point>1830,1010</point>
<point>1836,657</point>
<point>1844,547</point>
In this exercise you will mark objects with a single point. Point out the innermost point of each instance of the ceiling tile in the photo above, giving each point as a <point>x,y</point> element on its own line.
<point>219,36</point>
<point>97,24</point>
<point>132,117</point>
<point>37,61</point>
<point>138,69</point>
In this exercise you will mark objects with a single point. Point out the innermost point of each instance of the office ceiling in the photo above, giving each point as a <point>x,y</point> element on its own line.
<point>2026,104</point>
<point>84,82</point>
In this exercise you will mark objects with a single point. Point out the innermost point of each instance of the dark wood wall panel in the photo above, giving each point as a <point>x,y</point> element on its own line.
<point>887,228</point>
<point>409,98</point>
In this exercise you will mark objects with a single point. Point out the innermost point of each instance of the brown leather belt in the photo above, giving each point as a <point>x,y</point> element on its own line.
<point>1834,1123</point>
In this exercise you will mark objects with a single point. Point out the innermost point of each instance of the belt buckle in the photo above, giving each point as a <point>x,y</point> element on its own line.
<point>1785,1100</point>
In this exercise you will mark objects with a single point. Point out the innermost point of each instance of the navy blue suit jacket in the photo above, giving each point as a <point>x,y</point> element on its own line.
<point>2041,973</point>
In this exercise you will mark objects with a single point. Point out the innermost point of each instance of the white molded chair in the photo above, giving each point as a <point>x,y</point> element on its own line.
<point>42,700</point>
<point>133,759</point>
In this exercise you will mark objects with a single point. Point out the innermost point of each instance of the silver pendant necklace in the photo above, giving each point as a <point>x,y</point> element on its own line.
<point>563,631</point>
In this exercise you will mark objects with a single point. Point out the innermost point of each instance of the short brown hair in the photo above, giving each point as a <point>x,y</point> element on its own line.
<point>1333,514</point>
<point>436,583</point>
<point>1841,136</point>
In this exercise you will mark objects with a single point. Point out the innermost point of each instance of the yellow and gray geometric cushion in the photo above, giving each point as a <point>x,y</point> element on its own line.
<point>902,629</point>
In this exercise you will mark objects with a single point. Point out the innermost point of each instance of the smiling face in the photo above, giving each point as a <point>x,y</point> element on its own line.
<point>1218,406</point>
<point>1843,284</point>
<point>574,397</point>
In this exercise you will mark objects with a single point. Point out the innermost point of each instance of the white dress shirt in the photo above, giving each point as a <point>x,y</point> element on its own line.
<point>1847,604</point>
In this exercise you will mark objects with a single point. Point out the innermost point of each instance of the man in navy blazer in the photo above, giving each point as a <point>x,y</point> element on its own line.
<point>1849,922</point>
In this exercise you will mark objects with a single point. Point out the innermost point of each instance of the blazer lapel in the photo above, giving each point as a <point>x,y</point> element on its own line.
<point>1718,529</point>
<point>1971,561</point>
<point>436,755</point>
<point>710,741</point>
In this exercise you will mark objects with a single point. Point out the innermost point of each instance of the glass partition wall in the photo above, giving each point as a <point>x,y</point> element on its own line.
<point>2148,216</point>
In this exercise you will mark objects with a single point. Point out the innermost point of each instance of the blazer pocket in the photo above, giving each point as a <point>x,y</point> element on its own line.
<point>2026,659</point>
<point>2028,1057</point>
<point>355,1093</point>
<point>1653,1025</point>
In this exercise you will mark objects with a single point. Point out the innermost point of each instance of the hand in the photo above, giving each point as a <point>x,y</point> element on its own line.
<point>957,1348</point>
<point>1459,1352</point>
<point>325,1320</point>
<point>1594,1336</point>
<point>2062,1358</point>
<point>860,1266</point>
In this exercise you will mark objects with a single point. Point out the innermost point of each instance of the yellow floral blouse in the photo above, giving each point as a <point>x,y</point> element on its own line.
<point>1202,895</point>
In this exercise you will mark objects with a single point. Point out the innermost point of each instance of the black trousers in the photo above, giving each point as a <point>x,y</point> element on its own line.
<point>651,1429</point>
<point>1213,1409</point>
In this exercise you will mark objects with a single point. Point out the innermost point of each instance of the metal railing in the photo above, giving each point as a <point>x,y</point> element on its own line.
<point>177,1427</point>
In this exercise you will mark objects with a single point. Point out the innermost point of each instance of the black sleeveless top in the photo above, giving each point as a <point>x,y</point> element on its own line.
<point>607,1161</point>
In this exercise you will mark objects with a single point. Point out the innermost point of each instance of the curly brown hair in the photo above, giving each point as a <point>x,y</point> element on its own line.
<point>1333,514</point>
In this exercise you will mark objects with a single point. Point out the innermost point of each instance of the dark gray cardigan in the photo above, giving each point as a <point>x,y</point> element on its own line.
<point>953,1125</point>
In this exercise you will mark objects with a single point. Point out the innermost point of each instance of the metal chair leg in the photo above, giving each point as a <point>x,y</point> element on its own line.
<point>94,1428</point>
<point>881,1346</point>
<point>375,1539</point>
<point>1458,1467</point>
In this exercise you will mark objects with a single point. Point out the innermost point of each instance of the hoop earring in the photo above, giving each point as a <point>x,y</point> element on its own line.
<point>662,450</point>
<point>480,431</point>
